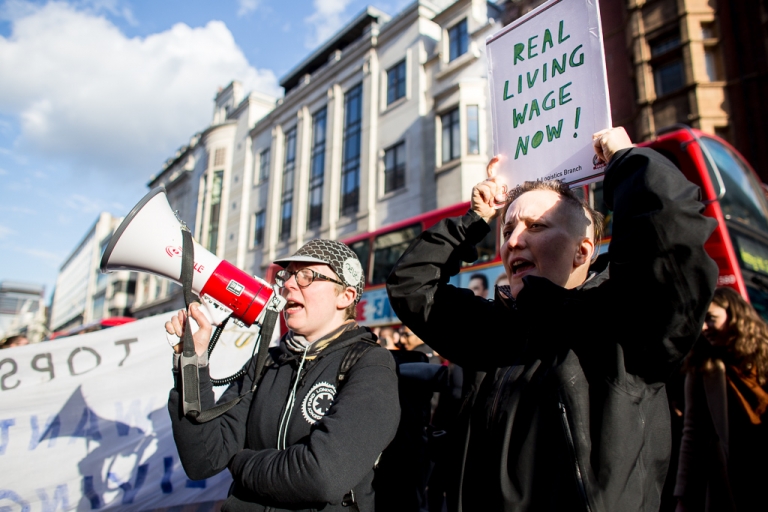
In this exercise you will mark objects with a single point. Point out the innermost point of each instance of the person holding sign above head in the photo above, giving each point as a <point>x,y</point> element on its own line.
<point>569,416</point>
<point>309,436</point>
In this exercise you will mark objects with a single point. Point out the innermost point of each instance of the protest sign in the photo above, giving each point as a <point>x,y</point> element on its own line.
<point>84,423</point>
<point>549,93</point>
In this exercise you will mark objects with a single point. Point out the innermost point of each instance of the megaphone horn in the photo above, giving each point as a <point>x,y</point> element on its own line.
<point>149,240</point>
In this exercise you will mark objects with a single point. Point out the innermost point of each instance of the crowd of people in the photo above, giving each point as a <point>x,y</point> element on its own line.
<point>502,396</point>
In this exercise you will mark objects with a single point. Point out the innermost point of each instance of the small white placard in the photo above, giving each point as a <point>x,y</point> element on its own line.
<point>549,93</point>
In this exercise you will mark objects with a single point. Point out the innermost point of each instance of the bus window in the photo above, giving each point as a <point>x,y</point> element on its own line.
<point>753,260</point>
<point>388,248</point>
<point>486,249</point>
<point>743,200</point>
<point>363,249</point>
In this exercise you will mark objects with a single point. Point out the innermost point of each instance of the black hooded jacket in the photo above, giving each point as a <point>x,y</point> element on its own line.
<point>331,442</point>
<point>572,413</point>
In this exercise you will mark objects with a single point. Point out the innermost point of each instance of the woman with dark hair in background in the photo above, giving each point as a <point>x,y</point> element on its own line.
<point>724,449</point>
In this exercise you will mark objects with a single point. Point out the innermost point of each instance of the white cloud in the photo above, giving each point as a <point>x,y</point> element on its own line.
<point>86,94</point>
<point>5,231</point>
<point>83,204</point>
<point>246,7</point>
<point>326,20</point>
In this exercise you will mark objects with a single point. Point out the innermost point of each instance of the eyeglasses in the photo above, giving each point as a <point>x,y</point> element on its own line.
<point>304,277</point>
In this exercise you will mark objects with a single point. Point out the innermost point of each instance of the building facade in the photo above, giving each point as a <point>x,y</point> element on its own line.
<point>386,120</point>
<point>83,294</point>
<point>22,310</point>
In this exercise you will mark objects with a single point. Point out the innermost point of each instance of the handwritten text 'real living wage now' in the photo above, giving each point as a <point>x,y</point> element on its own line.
<point>534,80</point>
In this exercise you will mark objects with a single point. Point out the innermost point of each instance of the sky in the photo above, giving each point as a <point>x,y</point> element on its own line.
<point>96,94</point>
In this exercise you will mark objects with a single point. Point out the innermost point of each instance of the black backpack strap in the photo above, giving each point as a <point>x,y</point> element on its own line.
<point>352,356</point>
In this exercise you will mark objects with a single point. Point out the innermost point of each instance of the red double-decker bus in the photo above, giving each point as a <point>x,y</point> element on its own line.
<point>731,194</point>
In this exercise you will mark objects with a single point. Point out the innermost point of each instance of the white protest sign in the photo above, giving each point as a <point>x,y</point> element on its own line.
<point>84,422</point>
<point>549,93</point>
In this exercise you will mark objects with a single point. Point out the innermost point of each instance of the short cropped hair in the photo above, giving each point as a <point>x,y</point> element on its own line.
<point>482,279</point>
<point>570,199</point>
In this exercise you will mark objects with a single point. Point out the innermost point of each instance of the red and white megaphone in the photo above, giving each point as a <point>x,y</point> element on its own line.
<point>149,240</point>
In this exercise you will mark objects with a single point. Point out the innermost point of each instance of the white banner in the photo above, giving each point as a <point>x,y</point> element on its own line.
<point>84,423</point>
<point>549,93</point>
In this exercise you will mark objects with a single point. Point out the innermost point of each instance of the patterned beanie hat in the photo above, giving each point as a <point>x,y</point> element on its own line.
<point>342,260</point>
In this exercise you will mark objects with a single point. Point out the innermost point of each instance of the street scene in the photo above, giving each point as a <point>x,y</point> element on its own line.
<point>408,255</point>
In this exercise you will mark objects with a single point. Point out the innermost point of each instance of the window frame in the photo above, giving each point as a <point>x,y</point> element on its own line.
<point>317,169</point>
<point>394,176</point>
<point>458,34</point>
<point>453,128</point>
<point>289,180</point>
<point>398,87</point>
<point>351,156</point>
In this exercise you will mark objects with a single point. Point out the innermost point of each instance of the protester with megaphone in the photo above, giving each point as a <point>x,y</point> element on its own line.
<point>569,416</point>
<point>309,436</point>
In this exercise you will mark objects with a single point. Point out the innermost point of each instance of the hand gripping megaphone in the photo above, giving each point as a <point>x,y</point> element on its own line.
<point>150,240</point>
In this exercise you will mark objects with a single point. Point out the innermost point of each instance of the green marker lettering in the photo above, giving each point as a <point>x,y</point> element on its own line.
<point>565,97</point>
<point>531,47</point>
<point>521,146</point>
<point>534,107</point>
<point>581,58</point>
<point>560,38</point>
<point>506,88</point>
<point>547,39</point>
<point>519,47</point>
<point>518,119</point>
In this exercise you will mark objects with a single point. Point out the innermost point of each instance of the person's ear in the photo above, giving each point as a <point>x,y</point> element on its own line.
<point>346,298</point>
<point>584,252</point>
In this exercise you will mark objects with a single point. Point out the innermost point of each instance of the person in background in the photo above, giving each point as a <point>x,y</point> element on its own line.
<point>724,450</point>
<point>14,341</point>
<point>410,341</point>
<point>387,338</point>
<point>478,283</point>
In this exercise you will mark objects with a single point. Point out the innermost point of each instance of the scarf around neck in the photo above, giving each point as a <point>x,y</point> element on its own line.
<point>296,343</point>
<point>752,397</point>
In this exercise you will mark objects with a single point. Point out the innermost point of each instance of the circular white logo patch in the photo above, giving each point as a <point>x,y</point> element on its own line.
<point>317,402</point>
<point>353,271</point>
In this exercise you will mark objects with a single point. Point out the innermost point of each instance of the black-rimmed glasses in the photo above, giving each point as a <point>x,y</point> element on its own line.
<point>304,277</point>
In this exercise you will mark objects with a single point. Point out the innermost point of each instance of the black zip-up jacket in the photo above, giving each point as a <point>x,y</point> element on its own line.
<point>332,439</point>
<point>572,413</point>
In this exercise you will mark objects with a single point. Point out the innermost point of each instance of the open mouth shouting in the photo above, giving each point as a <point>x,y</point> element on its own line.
<point>292,307</point>
<point>519,266</point>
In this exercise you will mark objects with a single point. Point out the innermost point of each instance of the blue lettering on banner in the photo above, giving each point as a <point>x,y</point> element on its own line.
<point>4,435</point>
<point>166,486</point>
<point>90,493</point>
<point>195,484</point>
<point>6,494</point>
<point>130,491</point>
<point>60,496</point>
<point>52,428</point>
<point>124,418</point>
<point>92,420</point>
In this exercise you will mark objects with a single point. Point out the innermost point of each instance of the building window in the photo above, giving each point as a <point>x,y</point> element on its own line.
<point>213,218</point>
<point>458,40</point>
<point>713,63</point>
<point>350,166</point>
<point>259,220</point>
<point>264,166</point>
<point>668,77</point>
<point>396,82</point>
<point>451,133</point>
<point>394,168</point>
<point>218,157</point>
<point>286,207</point>
<point>473,130</point>
<point>317,170</point>
<point>667,64</point>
